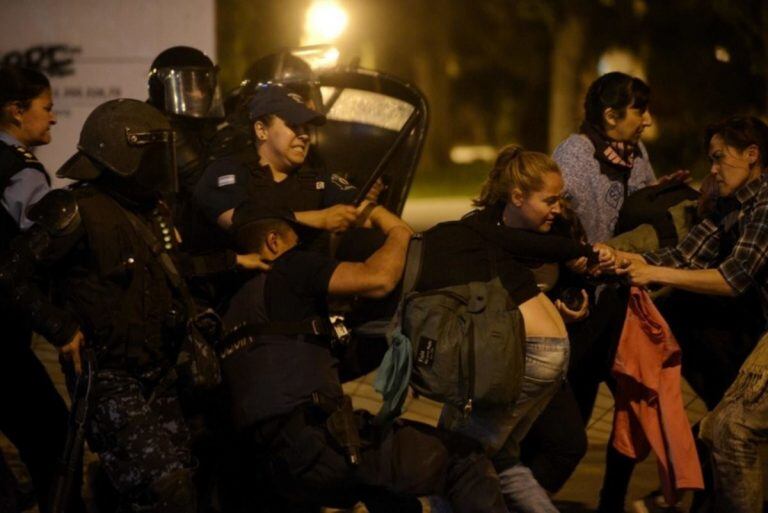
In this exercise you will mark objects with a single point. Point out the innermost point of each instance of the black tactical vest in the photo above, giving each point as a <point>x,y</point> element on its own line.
<point>123,294</point>
<point>12,160</point>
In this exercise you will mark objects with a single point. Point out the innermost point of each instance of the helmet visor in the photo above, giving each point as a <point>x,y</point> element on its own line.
<point>191,92</point>
<point>156,171</point>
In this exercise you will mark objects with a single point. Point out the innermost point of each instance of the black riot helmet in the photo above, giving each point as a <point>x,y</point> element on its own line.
<point>183,81</point>
<point>129,143</point>
<point>286,69</point>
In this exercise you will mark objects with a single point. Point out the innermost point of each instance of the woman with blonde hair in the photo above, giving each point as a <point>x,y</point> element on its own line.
<point>506,236</point>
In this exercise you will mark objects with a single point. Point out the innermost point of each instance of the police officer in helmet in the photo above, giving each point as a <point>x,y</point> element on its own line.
<point>283,68</point>
<point>183,83</point>
<point>105,246</point>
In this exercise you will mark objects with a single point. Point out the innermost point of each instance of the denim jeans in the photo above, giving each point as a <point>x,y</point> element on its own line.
<point>735,430</point>
<point>501,429</point>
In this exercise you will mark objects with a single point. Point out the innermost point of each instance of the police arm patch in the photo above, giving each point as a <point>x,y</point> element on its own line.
<point>341,182</point>
<point>225,180</point>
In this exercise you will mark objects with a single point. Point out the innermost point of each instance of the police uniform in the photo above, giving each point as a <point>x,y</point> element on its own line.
<point>108,282</point>
<point>192,156</point>
<point>231,181</point>
<point>35,420</point>
<point>108,285</point>
<point>286,393</point>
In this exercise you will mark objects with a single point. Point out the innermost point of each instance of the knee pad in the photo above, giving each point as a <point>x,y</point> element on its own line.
<point>174,492</point>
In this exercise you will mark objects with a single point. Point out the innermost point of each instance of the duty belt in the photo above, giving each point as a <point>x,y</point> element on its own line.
<point>315,330</point>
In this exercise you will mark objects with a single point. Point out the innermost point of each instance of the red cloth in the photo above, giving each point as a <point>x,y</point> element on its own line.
<point>649,405</point>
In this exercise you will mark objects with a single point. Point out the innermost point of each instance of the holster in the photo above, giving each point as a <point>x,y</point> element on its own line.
<point>342,425</point>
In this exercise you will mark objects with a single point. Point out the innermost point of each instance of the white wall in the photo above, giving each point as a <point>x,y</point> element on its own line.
<point>97,50</point>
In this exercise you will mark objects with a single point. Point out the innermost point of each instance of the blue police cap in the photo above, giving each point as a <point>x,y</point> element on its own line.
<point>288,106</point>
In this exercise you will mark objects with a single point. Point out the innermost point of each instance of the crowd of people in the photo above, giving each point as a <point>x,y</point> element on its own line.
<point>188,279</point>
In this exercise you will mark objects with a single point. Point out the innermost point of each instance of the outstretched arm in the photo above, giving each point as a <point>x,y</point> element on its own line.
<point>701,281</point>
<point>380,273</point>
<point>336,218</point>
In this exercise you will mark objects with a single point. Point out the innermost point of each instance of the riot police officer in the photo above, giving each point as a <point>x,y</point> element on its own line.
<point>183,84</point>
<point>35,420</point>
<point>109,247</point>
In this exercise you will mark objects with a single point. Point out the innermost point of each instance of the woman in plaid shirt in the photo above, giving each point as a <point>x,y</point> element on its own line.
<point>726,255</point>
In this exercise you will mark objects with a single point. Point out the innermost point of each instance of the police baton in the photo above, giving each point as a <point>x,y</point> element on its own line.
<point>379,171</point>
<point>70,463</point>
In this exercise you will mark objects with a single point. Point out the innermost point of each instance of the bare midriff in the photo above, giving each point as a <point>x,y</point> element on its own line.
<point>541,318</point>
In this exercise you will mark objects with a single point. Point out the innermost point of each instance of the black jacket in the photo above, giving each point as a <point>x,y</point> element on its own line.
<point>105,281</point>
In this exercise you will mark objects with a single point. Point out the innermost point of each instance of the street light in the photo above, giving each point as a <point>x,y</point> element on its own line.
<point>325,21</point>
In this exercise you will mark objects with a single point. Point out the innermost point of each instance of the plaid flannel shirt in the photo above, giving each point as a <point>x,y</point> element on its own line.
<point>745,265</point>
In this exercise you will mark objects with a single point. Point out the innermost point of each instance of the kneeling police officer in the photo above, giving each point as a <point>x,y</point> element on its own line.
<point>108,248</point>
<point>286,394</point>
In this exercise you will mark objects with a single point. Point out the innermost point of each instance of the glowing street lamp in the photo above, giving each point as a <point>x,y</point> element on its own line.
<point>325,21</point>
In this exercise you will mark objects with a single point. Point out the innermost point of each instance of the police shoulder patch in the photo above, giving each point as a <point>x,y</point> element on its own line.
<point>341,182</point>
<point>225,180</point>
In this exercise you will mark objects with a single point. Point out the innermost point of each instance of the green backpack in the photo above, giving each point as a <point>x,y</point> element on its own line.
<point>466,342</point>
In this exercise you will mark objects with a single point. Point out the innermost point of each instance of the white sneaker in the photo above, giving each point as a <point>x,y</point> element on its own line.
<point>653,503</point>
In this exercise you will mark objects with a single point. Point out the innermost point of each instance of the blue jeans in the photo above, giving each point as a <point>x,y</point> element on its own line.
<point>501,429</point>
<point>734,430</point>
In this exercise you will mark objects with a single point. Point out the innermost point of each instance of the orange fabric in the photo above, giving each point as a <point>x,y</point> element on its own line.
<point>649,405</point>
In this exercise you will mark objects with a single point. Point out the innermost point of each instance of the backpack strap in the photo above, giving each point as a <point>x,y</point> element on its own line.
<point>394,373</point>
<point>413,260</point>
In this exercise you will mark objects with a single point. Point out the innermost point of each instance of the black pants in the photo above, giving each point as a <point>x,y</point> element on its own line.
<point>408,460</point>
<point>556,442</point>
<point>32,414</point>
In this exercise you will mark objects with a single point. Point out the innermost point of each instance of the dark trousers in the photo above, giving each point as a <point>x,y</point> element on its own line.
<point>556,442</point>
<point>405,461</point>
<point>34,416</point>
